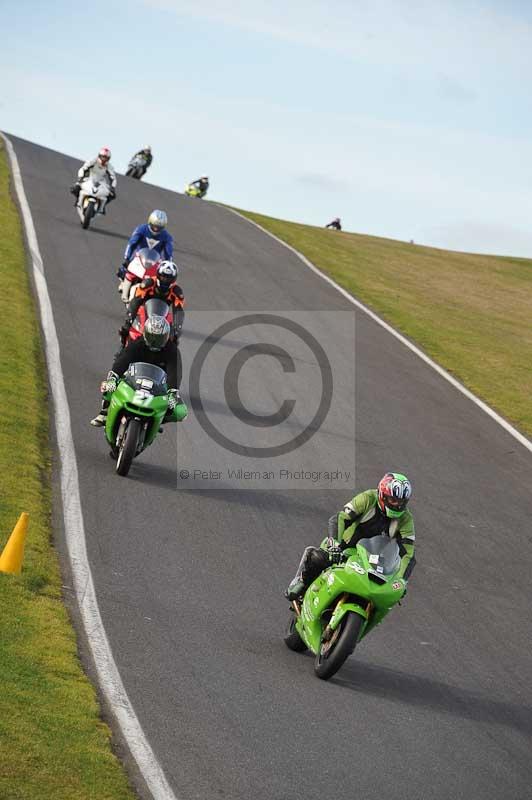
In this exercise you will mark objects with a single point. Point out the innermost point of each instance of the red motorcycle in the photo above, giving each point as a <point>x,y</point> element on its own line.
<point>143,265</point>
<point>153,307</point>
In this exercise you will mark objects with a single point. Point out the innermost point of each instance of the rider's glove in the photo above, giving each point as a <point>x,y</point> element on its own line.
<point>334,551</point>
<point>124,332</point>
<point>123,269</point>
<point>173,399</point>
<point>110,384</point>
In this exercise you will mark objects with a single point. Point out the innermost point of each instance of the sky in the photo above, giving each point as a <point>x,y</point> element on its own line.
<point>409,119</point>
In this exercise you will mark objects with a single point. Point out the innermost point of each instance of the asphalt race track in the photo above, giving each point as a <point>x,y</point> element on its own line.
<point>190,573</point>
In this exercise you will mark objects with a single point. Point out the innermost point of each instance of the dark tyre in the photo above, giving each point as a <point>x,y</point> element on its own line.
<point>88,215</point>
<point>129,173</point>
<point>334,652</point>
<point>128,449</point>
<point>292,638</point>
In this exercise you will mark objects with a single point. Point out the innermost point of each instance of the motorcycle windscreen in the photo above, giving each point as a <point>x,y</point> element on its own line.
<point>383,554</point>
<point>155,307</point>
<point>144,259</point>
<point>146,376</point>
<point>149,257</point>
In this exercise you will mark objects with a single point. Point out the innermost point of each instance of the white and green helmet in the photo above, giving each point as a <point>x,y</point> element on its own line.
<point>156,332</point>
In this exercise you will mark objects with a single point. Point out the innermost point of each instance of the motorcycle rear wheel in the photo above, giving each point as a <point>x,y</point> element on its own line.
<point>329,660</point>
<point>128,448</point>
<point>292,638</point>
<point>87,215</point>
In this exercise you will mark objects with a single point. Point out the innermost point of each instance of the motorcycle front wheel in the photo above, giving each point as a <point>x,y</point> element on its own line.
<point>128,448</point>
<point>88,215</point>
<point>339,647</point>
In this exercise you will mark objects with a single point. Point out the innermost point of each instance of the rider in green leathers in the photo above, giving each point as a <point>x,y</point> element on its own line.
<point>371,513</point>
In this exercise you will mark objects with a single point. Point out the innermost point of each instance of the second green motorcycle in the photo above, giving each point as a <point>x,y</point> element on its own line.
<point>136,412</point>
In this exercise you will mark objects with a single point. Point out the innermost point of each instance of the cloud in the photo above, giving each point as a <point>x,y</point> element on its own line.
<point>451,89</point>
<point>453,38</point>
<point>475,236</point>
<point>449,187</point>
<point>315,180</point>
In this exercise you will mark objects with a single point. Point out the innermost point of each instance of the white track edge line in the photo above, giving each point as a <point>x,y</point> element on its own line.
<point>453,381</point>
<point>108,675</point>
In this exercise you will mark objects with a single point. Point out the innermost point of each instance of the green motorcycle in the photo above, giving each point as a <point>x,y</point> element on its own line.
<point>346,602</point>
<point>193,191</point>
<point>136,411</point>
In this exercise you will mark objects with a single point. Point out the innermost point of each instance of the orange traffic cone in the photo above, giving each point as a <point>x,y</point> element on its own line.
<point>13,553</point>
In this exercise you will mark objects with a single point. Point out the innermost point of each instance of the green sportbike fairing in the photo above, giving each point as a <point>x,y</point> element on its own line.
<point>136,411</point>
<point>346,602</point>
<point>193,191</point>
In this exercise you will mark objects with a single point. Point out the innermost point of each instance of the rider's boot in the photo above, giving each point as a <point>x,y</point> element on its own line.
<point>125,288</point>
<point>174,400</point>
<point>101,418</point>
<point>313,561</point>
<point>75,190</point>
<point>296,587</point>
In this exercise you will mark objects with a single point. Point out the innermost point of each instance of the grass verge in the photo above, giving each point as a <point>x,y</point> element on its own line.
<point>470,313</point>
<point>53,743</point>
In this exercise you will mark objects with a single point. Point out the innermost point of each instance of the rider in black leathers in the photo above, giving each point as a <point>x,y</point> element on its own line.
<point>154,347</point>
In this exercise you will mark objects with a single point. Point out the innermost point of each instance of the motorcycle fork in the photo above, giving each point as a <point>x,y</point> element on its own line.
<point>297,607</point>
<point>328,631</point>
<point>142,437</point>
<point>121,431</point>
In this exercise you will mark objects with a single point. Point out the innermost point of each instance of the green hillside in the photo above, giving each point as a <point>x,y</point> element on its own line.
<point>470,313</point>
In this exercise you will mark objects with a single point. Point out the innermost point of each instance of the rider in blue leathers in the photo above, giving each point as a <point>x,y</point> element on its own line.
<point>153,235</point>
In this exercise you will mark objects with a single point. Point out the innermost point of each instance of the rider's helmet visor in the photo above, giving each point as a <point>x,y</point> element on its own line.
<point>395,503</point>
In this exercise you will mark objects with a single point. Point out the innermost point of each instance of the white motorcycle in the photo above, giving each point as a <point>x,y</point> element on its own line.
<point>92,199</point>
<point>144,265</point>
<point>137,167</point>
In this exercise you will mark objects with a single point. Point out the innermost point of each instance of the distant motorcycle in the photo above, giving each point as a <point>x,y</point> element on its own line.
<point>193,191</point>
<point>91,200</point>
<point>137,167</point>
<point>143,265</point>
